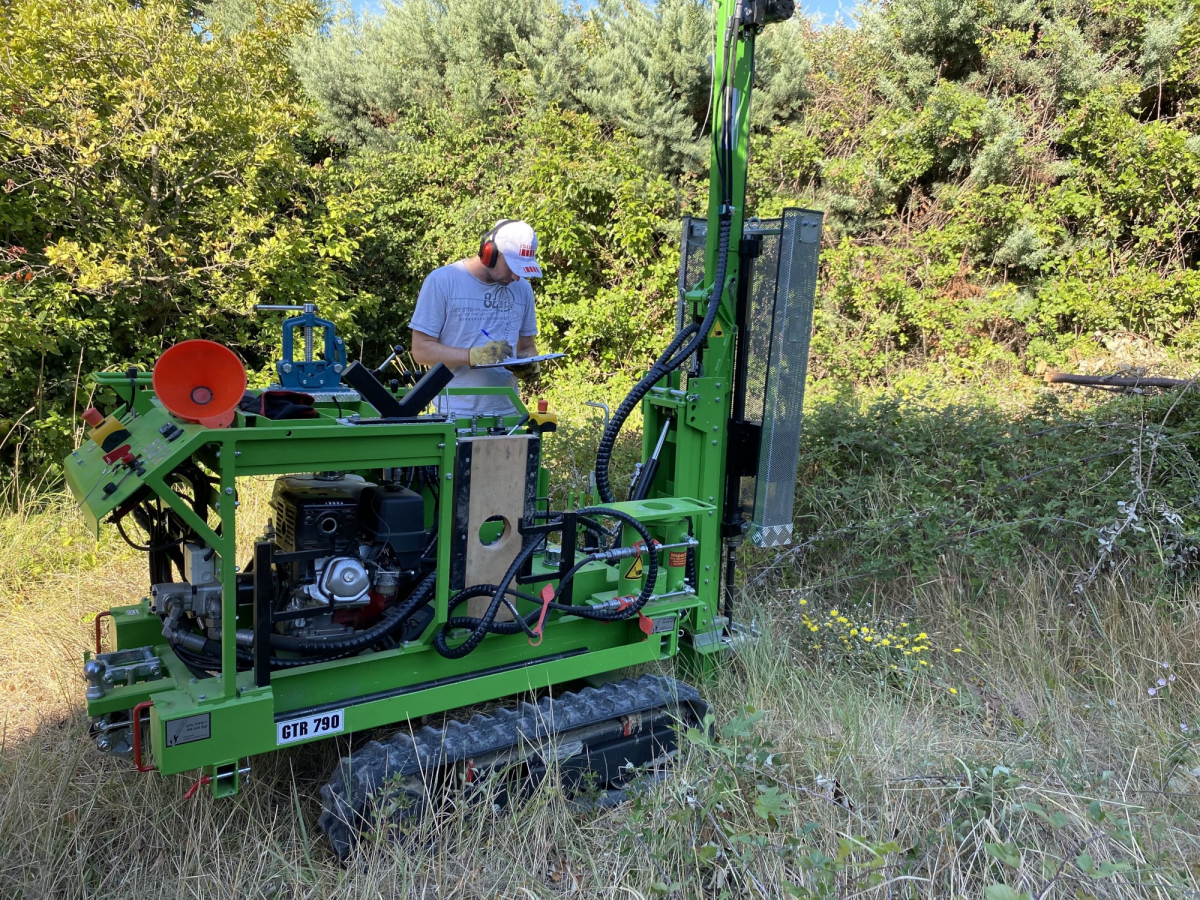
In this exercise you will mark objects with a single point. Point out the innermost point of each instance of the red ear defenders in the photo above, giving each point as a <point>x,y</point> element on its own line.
<point>489,255</point>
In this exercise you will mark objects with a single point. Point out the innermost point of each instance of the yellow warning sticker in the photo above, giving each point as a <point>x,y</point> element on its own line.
<point>717,330</point>
<point>635,568</point>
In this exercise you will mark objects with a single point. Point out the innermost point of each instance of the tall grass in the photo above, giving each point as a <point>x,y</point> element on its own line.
<point>1034,759</point>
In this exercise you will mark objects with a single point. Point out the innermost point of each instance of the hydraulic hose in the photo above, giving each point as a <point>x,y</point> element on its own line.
<point>209,656</point>
<point>486,624</point>
<point>483,625</point>
<point>723,155</point>
<point>670,359</point>
<point>326,649</point>
<point>392,618</point>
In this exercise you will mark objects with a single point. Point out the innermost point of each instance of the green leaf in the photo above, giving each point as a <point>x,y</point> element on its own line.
<point>1002,892</point>
<point>770,805</point>
<point>707,852</point>
<point>1005,853</point>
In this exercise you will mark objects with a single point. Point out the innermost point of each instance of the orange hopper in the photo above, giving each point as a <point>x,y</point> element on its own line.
<point>200,381</point>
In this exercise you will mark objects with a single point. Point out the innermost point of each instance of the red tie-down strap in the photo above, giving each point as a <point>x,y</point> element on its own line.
<point>645,623</point>
<point>191,792</point>
<point>547,595</point>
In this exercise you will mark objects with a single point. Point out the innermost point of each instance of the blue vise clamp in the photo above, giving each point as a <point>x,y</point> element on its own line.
<point>309,374</point>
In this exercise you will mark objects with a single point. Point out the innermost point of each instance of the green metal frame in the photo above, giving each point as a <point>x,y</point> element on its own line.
<point>373,689</point>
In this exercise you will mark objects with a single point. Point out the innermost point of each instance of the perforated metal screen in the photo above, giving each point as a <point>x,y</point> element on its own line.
<point>783,289</point>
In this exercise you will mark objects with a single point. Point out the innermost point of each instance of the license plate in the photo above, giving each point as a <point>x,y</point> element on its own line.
<point>305,727</point>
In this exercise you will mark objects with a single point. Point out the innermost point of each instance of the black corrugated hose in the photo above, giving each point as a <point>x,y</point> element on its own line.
<point>486,624</point>
<point>325,649</point>
<point>669,360</point>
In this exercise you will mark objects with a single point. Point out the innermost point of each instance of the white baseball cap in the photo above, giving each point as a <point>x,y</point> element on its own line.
<point>517,243</point>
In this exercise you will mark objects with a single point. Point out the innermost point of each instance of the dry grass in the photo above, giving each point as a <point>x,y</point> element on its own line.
<point>1048,748</point>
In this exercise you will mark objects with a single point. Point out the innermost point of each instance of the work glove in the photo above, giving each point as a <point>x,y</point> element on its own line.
<point>527,371</point>
<point>490,353</point>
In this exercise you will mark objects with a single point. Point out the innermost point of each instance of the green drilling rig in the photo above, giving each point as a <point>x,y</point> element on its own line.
<point>413,564</point>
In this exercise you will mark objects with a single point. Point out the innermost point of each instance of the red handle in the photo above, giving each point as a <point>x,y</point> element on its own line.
<point>100,615</point>
<point>137,735</point>
<point>191,792</point>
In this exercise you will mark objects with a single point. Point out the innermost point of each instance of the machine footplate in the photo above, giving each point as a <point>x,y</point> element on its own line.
<point>599,735</point>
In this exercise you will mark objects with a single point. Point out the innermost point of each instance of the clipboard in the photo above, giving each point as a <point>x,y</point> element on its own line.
<point>521,361</point>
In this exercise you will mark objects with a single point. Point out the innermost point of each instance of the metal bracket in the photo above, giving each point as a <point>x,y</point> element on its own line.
<point>302,375</point>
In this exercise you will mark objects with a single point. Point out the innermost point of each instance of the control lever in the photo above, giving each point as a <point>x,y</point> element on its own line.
<point>407,377</point>
<point>396,351</point>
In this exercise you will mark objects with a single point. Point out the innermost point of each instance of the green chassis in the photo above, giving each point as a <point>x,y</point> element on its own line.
<point>380,688</point>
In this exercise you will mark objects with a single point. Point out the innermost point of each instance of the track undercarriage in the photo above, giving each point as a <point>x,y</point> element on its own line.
<point>599,737</point>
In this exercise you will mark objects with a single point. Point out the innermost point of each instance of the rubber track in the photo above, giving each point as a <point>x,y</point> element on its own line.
<point>348,795</point>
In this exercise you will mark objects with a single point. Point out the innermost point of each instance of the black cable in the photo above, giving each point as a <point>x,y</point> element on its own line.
<point>195,663</point>
<point>149,548</point>
<point>486,624</point>
<point>393,617</point>
<point>334,648</point>
<point>665,364</point>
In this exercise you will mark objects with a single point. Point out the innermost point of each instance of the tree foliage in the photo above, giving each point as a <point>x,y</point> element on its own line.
<point>154,188</point>
<point>1004,182</point>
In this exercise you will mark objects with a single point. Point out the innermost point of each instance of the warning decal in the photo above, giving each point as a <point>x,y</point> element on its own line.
<point>635,568</point>
<point>193,728</point>
<point>717,330</point>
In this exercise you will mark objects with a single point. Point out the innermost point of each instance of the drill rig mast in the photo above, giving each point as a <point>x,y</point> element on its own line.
<point>413,564</point>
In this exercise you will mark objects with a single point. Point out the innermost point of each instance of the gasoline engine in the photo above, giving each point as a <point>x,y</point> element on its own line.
<point>361,547</point>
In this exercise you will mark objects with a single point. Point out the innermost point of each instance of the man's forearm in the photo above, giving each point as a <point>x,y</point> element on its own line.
<point>428,351</point>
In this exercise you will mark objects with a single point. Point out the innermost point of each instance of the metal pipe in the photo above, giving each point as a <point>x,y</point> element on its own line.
<point>687,591</point>
<point>600,405</point>
<point>690,542</point>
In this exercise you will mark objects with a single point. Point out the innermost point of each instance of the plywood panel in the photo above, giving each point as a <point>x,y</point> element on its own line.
<point>499,467</point>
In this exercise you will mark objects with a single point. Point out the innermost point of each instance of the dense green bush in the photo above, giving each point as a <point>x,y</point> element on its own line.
<point>607,227</point>
<point>1004,183</point>
<point>892,484</point>
<point>154,189</point>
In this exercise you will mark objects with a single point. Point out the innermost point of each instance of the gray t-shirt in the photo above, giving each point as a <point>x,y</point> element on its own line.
<point>459,310</point>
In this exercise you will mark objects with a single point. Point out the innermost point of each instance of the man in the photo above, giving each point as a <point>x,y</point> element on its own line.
<point>478,311</point>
